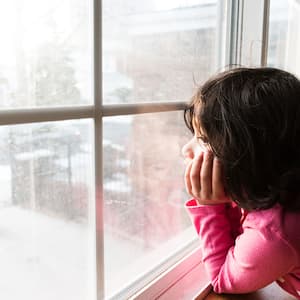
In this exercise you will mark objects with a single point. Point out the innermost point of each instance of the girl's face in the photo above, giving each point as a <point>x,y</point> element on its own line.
<point>195,146</point>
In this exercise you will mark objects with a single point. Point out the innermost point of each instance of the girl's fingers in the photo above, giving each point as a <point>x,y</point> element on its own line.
<point>187,180</point>
<point>187,161</point>
<point>217,179</point>
<point>206,176</point>
<point>195,175</point>
<point>204,179</point>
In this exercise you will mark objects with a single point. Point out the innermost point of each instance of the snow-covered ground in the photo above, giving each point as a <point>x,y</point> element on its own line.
<point>42,257</point>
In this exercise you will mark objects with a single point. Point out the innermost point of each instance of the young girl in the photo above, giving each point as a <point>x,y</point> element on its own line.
<point>243,172</point>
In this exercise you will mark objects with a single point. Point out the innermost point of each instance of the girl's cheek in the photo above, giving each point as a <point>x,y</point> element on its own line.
<point>199,149</point>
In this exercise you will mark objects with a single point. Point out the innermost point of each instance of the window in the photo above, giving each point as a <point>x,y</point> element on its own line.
<point>91,99</point>
<point>284,38</point>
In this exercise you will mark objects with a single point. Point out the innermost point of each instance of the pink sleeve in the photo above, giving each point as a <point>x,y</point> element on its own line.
<point>238,265</point>
<point>234,216</point>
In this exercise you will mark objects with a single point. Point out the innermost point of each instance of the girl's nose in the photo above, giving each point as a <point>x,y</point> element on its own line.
<point>188,149</point>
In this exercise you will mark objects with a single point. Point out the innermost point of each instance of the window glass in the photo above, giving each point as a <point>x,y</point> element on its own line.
<point>46,214</point>
<point>145,219</point>
<point>156,50</point>
<point>284,35</point>
<point>45,53</point>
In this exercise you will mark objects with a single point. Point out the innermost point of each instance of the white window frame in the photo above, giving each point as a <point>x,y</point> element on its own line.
<point>239,34</point>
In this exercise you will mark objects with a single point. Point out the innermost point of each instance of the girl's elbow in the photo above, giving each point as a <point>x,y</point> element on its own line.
<point>230,286</point>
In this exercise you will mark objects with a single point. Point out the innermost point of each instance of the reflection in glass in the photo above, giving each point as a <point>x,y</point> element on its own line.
<point>45,207</point>
<point>145,220</point>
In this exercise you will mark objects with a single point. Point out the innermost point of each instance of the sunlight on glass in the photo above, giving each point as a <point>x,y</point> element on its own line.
<point>45,53</point>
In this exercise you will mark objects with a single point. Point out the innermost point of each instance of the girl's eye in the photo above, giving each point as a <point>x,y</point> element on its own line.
<point>203,139</point>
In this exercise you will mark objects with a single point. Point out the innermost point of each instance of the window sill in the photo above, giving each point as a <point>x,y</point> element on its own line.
<point>194,285</point>
<point>187,289</point>
<point>272,291</point>
<point>185,280</point>
<point>188,280</point>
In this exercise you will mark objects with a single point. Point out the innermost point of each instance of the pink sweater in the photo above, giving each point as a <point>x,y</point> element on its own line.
<point>245,252</point>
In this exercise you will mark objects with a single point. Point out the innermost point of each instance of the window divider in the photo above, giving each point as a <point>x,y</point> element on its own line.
<point>49,114</point>
<point>265,33</point>
<point>42,114</point>
<point>234,33</point>
<point>98,206</point>
<point>140,108</point>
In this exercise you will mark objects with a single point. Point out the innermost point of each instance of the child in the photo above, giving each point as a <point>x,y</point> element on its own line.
<point>243,173</point>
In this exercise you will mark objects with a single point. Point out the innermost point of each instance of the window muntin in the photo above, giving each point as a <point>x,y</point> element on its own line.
<point>46,211</point>
<point>154,51</point>
<point>45,53</point>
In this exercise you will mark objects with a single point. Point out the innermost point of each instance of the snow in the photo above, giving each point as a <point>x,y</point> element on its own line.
<point>51,259</point>
<point>44,257</point>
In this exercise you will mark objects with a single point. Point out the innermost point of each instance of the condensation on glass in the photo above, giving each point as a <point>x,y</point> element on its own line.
<point>284,35</point>
<point>46,211</point>
<point>144,216</point>
<point>45,56</point>
<point>157,50</point>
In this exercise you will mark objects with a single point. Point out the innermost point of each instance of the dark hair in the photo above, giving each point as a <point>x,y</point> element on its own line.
<point>250,117</point>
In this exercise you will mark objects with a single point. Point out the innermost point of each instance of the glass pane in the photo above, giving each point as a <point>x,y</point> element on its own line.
<point>156,50</point>
<point>145,221</point>
<point>284,35</point>
<point>45,56</point>
<point>46,213</point>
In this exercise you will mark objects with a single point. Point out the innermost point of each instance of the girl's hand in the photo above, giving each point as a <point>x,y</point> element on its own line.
<point>204,180</point>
